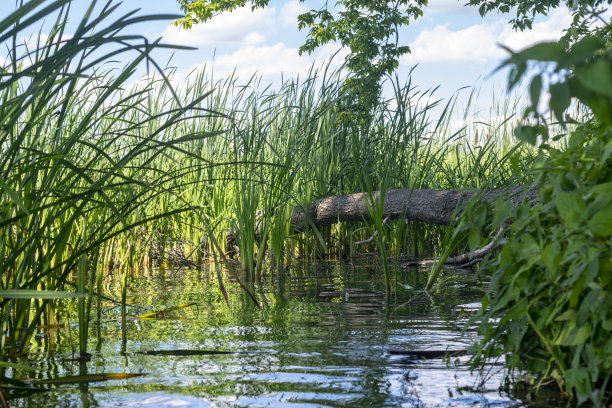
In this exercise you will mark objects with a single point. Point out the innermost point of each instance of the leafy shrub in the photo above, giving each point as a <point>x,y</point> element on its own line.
<point>549,305</point>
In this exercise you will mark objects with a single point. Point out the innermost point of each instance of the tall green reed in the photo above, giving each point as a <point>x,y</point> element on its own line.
<point>75,151</point>
<point>287,148</point>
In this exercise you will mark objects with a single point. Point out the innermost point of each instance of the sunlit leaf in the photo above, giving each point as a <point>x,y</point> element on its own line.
<point>569,314</point>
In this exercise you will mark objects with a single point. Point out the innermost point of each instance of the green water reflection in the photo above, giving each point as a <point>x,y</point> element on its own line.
<point>321,338</point>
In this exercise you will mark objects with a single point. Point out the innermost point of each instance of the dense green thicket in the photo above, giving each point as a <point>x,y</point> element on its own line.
<point>75,155</point>
<point>549,306</point>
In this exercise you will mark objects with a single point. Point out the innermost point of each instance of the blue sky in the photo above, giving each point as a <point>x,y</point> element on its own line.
<point>452,45</point>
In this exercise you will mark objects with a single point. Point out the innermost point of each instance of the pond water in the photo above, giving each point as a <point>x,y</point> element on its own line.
<point>325,336</point>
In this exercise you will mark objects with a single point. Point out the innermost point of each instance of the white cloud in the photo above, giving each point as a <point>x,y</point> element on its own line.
<point>266,63</point>
<point>268,60</point>
<point>476,43</point>
<point>271,61</point>
<point>290,11</point>
<point>479,43</point>
<point>551,29</point>
<point>240,27</point>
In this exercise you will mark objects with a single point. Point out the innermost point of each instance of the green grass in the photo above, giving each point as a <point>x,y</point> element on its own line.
<point>105,174</point>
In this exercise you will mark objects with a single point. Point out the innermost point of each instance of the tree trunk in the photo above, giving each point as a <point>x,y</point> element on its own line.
<point>429,206</point>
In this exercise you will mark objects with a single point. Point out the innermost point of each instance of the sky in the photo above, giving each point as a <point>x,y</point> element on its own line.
<point>452,46</point>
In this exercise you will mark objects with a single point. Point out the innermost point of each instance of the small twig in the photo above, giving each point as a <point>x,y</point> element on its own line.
<point>464,260</point>
<point>371,239</point>
<point>467,264</point>
<point>479,253</point>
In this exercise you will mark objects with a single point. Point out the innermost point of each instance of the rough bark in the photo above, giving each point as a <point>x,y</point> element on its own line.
<point>429,206</point>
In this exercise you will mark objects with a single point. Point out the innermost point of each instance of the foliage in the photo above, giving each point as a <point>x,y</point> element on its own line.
<point>103,175</point>
<point>73,145</point>
<point>367,28</point>
<point>549,306</point>
<point>585,12</point>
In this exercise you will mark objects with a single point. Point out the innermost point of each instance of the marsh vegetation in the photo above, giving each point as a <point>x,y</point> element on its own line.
<point>109,179</point>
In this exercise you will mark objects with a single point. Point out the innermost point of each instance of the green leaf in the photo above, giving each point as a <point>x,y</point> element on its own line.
<point>13,196</point>
<point>605,269</point>
<point>502,299</point>
<point>544,51</point>
<point>527,134</point>
<point>534,91</point>
<point>578,379</point>
<point>474,239</point>
<point>576,140</point>
<point>603,191</point>
<point>569,314</point>
<point>551,256</point>
<point>516,312</point>
<point>503,209</point>
<point>38,294</point>
<point>607,152</point>
<point>513,360</point>
<point>596,76</point>
<point>601,223</point>
<point>197,136</point>
<point>516,72</point>
<point>577,336</point>
<point>560,99</point>
<point>570,205</point>
<point>583,50</point>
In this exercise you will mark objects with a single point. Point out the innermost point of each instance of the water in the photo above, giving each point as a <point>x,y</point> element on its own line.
<point>323,338</point>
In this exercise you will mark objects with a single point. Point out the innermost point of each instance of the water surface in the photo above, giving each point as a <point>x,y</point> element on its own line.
<point>324,337</point>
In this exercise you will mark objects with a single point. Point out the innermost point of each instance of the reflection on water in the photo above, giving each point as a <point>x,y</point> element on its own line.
<point>321,339</point>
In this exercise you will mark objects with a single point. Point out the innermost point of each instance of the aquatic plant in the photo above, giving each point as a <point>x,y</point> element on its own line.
<point>74,146</point>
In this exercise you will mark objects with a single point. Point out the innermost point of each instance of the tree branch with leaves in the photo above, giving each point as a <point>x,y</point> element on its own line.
<point>367,28</point>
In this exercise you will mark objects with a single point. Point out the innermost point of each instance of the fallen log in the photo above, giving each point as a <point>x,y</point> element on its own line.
<point>428,206</point>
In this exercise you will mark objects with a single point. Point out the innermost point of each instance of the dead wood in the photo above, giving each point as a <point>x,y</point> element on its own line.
<point>462,261</point>
<point>428,206</point>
